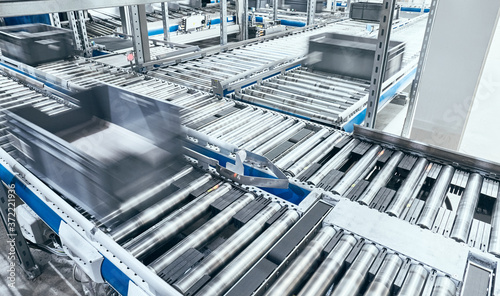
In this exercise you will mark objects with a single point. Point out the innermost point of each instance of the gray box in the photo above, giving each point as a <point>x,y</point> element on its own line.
<point>301,5</point>
<point>34,44</point>
<point>368,11</point>
<point>351,56</point>
<point>99,155</point>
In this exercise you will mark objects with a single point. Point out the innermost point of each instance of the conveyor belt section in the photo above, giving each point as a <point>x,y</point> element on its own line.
<point>14,93</point>
<point>439,197</point>
<point>316,258</point>
<point>225,121</point>
<point>316,97</point>
<point>199,227</point>
<point>246,60</point>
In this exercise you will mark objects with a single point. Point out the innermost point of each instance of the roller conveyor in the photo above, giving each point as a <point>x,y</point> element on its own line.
<point>204,236</point>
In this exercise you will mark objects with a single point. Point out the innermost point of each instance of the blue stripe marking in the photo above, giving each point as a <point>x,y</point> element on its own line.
<point>358,119</point>
<point>289,23</point>
<point>115,277</point>
<point>414,9</point>
<point>53,86</point>
<point>293,194</point>
<point>36,204</point>
<point>159,31</point>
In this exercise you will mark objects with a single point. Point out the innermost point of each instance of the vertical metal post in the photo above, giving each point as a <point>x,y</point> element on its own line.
<point>414,86</point>
<point>140,34</point>
<point>348,6</point>
<point>56,21</point>
<point>242,13</point>
<point>124,17</point>
<point>166,26</point>
<point>223,22</point>
<point>275,10</point>
<point>74,27</point>
<point>87,49</point>
<point>15,238</point>
<point>379,66</point>
<point>311,10</point>
<point>423,7</point>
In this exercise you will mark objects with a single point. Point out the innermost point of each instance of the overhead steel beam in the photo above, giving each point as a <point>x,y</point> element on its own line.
<point>21,8</point>
<point>379,66</point>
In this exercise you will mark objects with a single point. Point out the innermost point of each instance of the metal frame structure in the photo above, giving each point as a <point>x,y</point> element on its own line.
<point>140,35</point>
<point>379,66</point>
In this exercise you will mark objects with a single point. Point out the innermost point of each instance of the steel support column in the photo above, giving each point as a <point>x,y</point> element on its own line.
<point>223,22</point>
<point>379,66</point>
<point>311,10</point>
<point>166,26</point>
<point>414,86</point>
<point>275,10</point>
<point>15,238</point>
<point>87,49</point>
<point>140,34</point>
<point>56,21</point>
<point>74,27</point>
<point>125,19</point>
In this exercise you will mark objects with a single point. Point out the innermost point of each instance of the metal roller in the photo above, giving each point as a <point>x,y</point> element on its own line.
<point>354,278</point>
<point>353,174</point>
<point>314,155</point>
<point>264,148</point>
<point>415,281</point>
<point>202,234</point>
<point>289,158</point>
<point>382,178</point>
<point>436,197</point>
<point>164,230</point>
<point>323,277</point>
<point>225,252</point>
<point>467,208</point>
<point>382,283</point>
<point>248,257</point>
<point>154,213</point>
<point>217,124</point>
<point>259,129</point>
<point>255,121</point>
<point>409,185</point>
<point>149,194</point>
<point>494,246</point>
<point>236,124</point>
<point>270,133</point>
<point>272,101</point>
<point>334,163</point>
<point>444,286</point>
<point>295,274</point>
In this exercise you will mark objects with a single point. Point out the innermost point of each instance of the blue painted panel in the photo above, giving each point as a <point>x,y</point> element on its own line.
<point>115,277</point>
<point>293,194</point>
<point>349,127</point>
<point>414,9</point>
<point>292,23</point>
<point>37,205</point>
<point>30,19</point>
<point>159,31</point>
